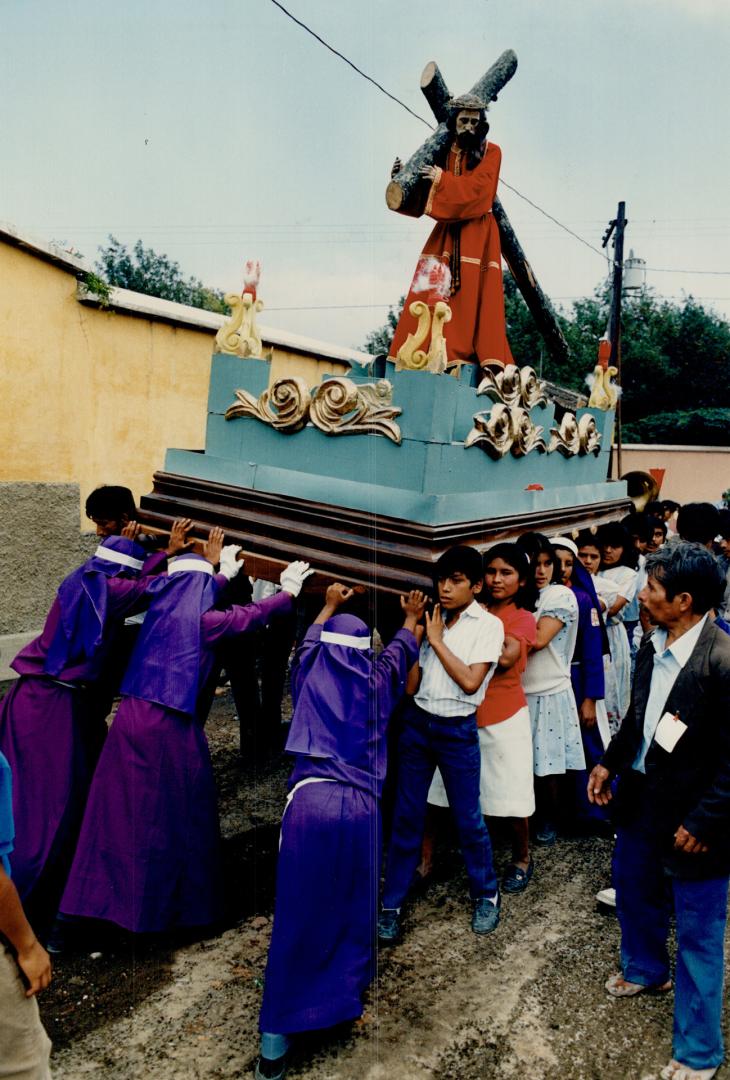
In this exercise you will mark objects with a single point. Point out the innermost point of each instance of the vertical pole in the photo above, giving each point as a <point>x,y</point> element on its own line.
<point>615,328</point>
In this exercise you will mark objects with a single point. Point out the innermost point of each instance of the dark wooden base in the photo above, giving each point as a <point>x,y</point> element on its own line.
<point>380,553</point>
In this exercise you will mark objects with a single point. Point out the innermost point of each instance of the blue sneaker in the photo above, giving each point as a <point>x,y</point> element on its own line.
<point>389,926</point>
<point>485,919</point>
<point>270,1068</point>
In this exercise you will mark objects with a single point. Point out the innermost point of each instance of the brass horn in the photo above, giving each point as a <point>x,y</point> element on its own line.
<point>641,488</point>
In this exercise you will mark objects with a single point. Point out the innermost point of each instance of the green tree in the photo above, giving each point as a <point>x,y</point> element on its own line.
<point>704,427</point>
<point>144,271</point>
<point>675,360</point>
<point>378,341</point>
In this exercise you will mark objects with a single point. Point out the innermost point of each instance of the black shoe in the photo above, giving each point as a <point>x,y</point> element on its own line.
<point>389,926</point>
<point>270,1068</point>
<point>485,919</point>
<point>516,879</point>
<point>546,834</point>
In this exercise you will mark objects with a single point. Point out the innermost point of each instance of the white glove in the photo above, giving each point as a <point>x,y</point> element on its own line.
<point>293,577</point>
<point>229,564</point>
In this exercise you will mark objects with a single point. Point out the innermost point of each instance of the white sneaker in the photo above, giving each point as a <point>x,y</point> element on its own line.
<point>607,897</point>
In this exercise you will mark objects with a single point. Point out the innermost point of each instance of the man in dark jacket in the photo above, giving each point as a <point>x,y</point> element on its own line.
<point>672,756</point>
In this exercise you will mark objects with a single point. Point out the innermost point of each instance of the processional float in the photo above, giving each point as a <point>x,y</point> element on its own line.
<point>371,475</point>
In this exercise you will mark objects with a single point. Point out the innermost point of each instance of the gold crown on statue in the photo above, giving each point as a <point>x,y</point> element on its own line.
<point>467,101</point>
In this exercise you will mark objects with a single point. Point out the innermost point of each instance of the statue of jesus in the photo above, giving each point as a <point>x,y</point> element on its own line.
<point>466,239</point>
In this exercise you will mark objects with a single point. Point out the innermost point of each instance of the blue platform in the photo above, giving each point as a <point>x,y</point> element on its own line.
<point>430,479</point>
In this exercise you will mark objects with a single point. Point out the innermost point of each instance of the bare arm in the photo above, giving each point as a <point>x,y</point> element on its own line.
<point>547,628</point>
<point>511,652</point>
<point>33,960</point>
<point>336,595</point>
<point>468,677</point>
<point>413,606</point>
<point>616,606</point>
<point>414,675</point>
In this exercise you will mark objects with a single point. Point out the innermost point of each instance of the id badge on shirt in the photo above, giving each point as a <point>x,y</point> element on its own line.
<point>669,731</point>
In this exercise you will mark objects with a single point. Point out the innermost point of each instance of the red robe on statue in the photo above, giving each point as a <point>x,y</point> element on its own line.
<point>467,238</point>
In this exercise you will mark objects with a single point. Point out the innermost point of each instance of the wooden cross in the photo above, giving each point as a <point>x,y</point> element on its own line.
<point>406,193</point>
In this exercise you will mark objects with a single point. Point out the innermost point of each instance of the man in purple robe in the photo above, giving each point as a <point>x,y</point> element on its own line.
<point>322,954</point>
<point>148,852</point>
<point>52,719</point>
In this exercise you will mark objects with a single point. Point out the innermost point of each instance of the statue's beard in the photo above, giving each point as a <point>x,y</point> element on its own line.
<point>469,140</point>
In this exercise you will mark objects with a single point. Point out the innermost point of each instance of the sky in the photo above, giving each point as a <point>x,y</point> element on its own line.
<point>219,131</point>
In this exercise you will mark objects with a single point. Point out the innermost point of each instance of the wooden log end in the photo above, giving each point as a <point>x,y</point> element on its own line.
<point>394,195</point>
<point>428,74</point>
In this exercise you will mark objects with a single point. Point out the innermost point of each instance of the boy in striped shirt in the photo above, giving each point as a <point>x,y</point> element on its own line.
<point>462,645</point>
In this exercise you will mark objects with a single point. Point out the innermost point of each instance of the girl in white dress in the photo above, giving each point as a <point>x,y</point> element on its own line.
<point>557,743</point>
<point>618,572</point>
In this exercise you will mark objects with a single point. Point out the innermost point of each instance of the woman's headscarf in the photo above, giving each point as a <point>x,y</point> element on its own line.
<point>580,577</point>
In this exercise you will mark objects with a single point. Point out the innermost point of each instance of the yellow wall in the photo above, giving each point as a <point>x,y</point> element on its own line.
<point>92,396</point>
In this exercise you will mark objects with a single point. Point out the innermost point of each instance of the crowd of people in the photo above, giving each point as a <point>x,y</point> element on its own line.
<point>552,684</point>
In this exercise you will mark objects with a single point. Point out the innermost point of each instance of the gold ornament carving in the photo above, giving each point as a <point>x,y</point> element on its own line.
<point>437,355</point>
<point>565,438</point>
<point>505,429</point>
<point>240,335</point>
<point>342,407</point>
<point>410,356</point>
<point>589,435</point>
<point>284,407</point>
<point>337,407</point>
<point>604,391</point>
<point>575,437</point>
<point>514,386</point>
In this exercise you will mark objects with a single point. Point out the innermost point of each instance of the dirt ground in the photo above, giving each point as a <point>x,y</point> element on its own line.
<point>526,1002</point>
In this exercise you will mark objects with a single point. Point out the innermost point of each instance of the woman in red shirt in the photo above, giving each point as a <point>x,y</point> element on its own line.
<point>503,719</point>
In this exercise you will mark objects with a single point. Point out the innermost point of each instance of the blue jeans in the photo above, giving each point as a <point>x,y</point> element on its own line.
<point>451,743</point>
<point>645,894</point>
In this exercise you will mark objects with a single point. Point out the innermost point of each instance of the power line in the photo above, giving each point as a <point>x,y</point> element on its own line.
<point>550,216</point>
<point>391,304</point>
<point>575,235</point>
<point>663,270</point>
<point>329,307</point>
<point>353,66</point>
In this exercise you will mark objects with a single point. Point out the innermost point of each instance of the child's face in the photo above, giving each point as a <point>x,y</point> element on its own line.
<point>640,544</point>
<point>109,526</point>
<point>591,558</point>
<point>612,555</point>
<point>543,570</point>
<point>456,592</point>
<point>502,580</point>
<point>564,561</point>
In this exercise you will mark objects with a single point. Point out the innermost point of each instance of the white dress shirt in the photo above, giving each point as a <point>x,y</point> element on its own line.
<point>476,637</point>
<point>668,662</point>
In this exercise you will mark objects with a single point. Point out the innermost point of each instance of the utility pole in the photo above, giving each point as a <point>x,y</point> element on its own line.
<point>618,224</point>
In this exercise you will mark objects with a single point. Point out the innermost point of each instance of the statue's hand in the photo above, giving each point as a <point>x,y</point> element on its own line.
<point>397,166</point>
